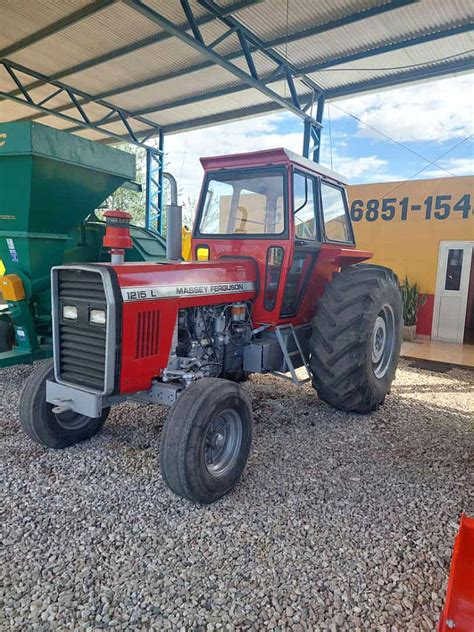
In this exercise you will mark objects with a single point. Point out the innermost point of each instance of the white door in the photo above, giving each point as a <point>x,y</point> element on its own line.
<point>452,285</point>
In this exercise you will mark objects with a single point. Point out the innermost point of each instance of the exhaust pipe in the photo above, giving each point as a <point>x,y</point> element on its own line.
<point>174,222</point>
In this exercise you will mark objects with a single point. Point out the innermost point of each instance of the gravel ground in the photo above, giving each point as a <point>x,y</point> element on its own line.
<point>341,522</point>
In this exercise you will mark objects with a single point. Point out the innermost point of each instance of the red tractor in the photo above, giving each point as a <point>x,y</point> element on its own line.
<point>276,284</point>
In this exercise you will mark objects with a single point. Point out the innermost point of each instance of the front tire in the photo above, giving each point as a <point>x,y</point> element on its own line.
<point>42,425</point>
<point>206,440</point>
<point>356,338</point>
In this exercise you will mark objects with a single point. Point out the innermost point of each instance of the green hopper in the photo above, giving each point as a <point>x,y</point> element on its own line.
<point>51,182</point>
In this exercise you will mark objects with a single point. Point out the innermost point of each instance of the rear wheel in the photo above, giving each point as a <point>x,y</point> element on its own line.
<point>206,440</point>
<point>42,425</point>
<point>356,338</point>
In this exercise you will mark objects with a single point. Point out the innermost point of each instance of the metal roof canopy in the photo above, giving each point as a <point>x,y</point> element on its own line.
<point>134,69</point>
<point>130,68</point>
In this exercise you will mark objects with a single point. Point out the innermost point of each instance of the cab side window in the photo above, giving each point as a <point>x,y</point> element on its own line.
<point>303,207</point>
<point>336,221</point>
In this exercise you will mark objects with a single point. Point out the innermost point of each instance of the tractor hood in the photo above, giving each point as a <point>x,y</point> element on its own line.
<point>152,296</point>
<point>193,282</point>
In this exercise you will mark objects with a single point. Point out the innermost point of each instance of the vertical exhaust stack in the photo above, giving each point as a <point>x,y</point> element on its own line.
<point>117,235</point>
<point>174,223</point>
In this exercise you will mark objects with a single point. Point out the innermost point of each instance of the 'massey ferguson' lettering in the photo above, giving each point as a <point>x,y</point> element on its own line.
<point>171,291</point>
<point>230,287</point>
<point>197,289</point>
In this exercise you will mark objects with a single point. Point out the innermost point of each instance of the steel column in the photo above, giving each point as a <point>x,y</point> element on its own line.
<point>154,186</point>
<point>312,134</point>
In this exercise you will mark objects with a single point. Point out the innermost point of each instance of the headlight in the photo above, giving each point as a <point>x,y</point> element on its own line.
<point>70,312</point>
<point>97,316</point>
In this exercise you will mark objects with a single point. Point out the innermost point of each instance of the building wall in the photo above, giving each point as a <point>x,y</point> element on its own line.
<point>402,223</point>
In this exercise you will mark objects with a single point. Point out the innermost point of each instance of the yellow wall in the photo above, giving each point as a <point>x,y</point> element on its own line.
<point>410,247</point>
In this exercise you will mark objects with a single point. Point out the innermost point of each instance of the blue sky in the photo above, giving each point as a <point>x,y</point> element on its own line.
<point>429,118</point>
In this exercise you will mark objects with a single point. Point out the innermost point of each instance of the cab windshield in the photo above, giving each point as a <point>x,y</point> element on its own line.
<point>247,203</point>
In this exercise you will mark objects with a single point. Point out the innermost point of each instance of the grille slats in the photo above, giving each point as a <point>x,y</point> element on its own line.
<point>92,332</point>
<point>75,378</point>
<point>82,346</point>
<point>69,343</point>
<point>88,371</point>
<point>89,359</point>
<point>147,334</point>
<point>89,295</point>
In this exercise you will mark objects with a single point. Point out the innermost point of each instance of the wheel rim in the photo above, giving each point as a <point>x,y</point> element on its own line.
<point>222,442</point>
<point>383,341</point>
<point>72,421</point>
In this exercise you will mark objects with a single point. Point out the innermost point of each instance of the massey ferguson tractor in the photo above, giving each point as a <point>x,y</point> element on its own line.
<point>275,284</point>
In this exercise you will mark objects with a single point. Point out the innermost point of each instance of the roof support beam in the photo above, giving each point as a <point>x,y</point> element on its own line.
<point>225,117</point>
<point>60,25</point>
<point>392,81</point>
<point>321,28</point>
<point>292,37</point>
<point>130,48</point>
<point>18,73</point>
<point>364,86</point>
<point>217,59</point>
<point>388,48</point>
<point>320,65</point>
<point>246,36</point>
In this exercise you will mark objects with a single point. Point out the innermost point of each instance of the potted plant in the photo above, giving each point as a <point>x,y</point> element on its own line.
<point>412,301</point>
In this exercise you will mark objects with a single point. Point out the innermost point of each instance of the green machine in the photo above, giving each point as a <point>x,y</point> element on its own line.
<point>51,182</point>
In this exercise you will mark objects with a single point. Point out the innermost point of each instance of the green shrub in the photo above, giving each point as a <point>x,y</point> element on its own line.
<point>412,301</point>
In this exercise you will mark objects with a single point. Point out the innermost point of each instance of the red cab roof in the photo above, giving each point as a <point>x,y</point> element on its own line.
<point>266,158</point>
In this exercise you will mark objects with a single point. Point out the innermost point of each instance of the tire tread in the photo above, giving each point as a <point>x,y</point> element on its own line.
<point>340,336</point>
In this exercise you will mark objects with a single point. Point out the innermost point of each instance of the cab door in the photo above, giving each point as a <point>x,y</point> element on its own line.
<point>306,241</point>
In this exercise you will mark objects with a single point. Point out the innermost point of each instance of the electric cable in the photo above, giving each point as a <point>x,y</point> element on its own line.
<point>397,142</point>
<point>445,153</point>
<point>330,132</point>
<point>424,63</point>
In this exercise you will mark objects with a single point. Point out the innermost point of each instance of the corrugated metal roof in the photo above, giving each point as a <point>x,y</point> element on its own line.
<point>110,50</point>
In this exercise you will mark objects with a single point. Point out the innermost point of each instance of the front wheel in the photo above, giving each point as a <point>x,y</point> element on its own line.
<point>206,440</point>
<point>42,425</point>
<point>356,338</point>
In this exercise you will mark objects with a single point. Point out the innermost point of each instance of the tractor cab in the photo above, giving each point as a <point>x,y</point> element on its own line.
<point>287,213</point>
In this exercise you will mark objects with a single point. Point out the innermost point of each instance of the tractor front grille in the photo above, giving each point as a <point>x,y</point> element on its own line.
<point>82,345</point>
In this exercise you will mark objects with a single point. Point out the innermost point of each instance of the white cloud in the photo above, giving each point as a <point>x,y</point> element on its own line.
<point>456,166</point>
<point>433,111</point>
<point>357,168</point>
<point>436,111</point>
<point>184,150</point>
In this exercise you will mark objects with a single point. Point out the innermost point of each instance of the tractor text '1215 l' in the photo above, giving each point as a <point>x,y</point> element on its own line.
<point>276,284</point>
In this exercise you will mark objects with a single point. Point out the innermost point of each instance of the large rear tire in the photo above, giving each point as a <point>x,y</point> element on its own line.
<point>206,440</point>
<point>356,338</point>
<point>42,425</point>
